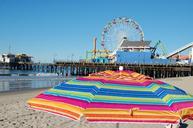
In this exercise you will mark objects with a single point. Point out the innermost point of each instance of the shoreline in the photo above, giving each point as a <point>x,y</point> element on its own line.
<point>12,84</point>
<point>22,91</point>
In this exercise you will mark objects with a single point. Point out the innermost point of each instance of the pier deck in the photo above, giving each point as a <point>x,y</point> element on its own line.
<point>81,68</point>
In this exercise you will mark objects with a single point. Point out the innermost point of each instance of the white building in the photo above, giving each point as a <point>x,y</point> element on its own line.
<point>7,58</point>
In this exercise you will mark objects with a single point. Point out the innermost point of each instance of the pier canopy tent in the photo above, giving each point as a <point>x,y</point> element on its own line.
<point>117,96</point>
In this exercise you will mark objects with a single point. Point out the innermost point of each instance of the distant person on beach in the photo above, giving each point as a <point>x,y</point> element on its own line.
<point>66,74</point>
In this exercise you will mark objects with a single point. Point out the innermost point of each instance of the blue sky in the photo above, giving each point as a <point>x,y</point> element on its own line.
<point>60,28</point>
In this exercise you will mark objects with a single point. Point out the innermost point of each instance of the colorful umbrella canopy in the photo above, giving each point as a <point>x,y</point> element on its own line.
<point>117,96</point>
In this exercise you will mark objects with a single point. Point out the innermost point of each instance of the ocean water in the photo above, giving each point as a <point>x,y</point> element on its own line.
<point>24,80</point>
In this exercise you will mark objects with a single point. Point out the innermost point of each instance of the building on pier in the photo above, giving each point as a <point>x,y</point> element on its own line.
<point>18,58</point>
<point>7,58</point>
<point>139,52</point>
<point>23,58</point>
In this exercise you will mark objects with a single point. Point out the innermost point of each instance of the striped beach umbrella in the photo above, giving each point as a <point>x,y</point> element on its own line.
<point>117,96</point>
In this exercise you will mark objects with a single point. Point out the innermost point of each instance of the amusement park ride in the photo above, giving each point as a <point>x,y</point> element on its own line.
<point>122,41</point>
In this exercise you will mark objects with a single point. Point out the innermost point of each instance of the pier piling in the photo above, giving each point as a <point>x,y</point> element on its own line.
<point>82,69</point>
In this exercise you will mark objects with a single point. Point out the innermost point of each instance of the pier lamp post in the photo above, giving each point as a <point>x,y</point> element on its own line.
<point>72,57</point>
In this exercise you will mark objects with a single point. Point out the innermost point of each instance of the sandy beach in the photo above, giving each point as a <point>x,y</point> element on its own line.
<point>14,112</point>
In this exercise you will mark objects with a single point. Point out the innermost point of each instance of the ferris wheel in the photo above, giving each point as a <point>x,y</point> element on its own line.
<point>119,28</point>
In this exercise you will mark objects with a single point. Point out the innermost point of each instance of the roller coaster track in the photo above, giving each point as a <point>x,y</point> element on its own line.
<point>187,46</point>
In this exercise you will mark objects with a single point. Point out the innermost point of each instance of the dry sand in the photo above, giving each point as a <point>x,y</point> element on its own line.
<point>15,114</point>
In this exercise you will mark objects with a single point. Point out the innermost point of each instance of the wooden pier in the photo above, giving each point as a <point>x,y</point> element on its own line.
<point>81,68</point>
